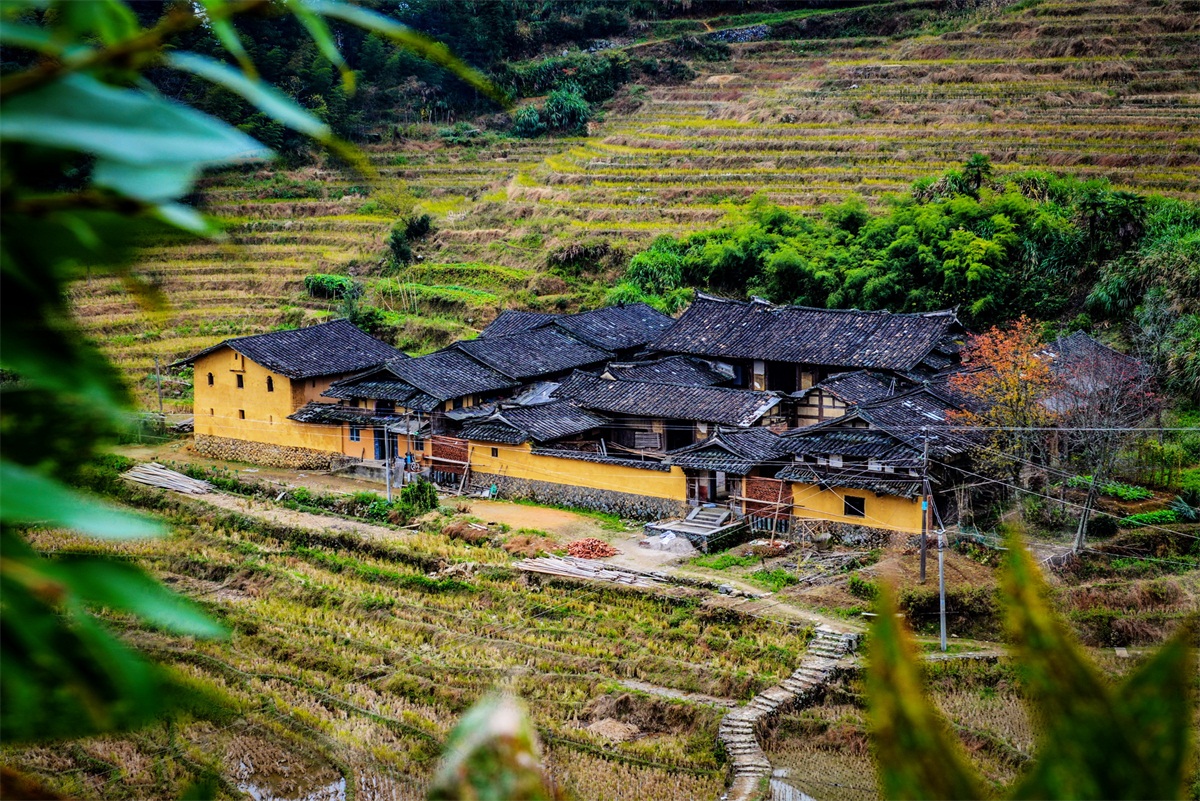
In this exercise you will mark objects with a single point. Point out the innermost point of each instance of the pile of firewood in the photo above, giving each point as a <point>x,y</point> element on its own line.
<point>591,548</point>
<point>155,475</point>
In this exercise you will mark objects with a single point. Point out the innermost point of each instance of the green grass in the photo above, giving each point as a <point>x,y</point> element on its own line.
<point>724,561</point>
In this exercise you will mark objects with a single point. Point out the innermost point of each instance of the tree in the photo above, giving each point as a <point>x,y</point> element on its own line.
<point>976,170</point>
<point>1011,384</point>
<point>1101,396</point>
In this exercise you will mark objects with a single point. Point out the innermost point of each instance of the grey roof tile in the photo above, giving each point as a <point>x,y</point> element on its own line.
<point>734,407</point>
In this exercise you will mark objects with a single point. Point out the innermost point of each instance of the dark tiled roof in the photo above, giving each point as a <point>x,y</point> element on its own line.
<point>532,354</point>
<point>853,478</point>
<point>602,459</point>
<point>734,407</point>
<point>617,327</point>
<point>860,386</point>
<point>397,391</point>
<point>730,329</point>
<point>449,373</point>
<point>326,349</point>
<point>493,431</point>
<point>513,322</point>
<point>686,371</point>
<point>733,452</point>
<point>542,423</point>
<point>314,412</point>
<point>859,443</point>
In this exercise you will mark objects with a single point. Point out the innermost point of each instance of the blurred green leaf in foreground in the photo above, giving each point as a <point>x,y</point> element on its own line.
<point>92,159</point>
<point>1096,740</point>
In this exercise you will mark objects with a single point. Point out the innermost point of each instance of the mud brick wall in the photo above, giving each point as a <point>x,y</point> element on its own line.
<point>240,450</point>
<point>767,498</point>
<point>452,448</point>
<point>625,504</point>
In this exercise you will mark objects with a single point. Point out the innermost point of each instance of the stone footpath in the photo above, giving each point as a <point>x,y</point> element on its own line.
<point>739,729</point>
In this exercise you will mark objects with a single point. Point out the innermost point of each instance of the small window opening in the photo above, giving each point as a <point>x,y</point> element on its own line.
<point>210,379</point>
<point>314,382</point>
<point>241,414</point>
<point>270,384</point>
<point>854,506</point>
<point>212,412</point>
<point>495,453</point>
<point>458,403</point>
<point>355,433</point>
<point>419,443</point>
<point>241,380</point>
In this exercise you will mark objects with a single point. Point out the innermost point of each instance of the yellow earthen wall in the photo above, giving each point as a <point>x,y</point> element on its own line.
<point>216,407</point>
<point>887,511</point>
<point>517,461</point>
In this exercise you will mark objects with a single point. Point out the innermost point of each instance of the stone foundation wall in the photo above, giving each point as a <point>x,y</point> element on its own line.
<point>625,504</point>
<point>241,450</point>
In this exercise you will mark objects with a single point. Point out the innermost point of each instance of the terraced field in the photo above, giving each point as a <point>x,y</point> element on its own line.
<point>846,102</point>
<point>352,655</point>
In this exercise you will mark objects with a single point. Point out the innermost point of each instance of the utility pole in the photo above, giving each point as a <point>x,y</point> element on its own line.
<point>942,585</point>
<point>387,462</point>
<point>162,420</point>
<point>924,498</point>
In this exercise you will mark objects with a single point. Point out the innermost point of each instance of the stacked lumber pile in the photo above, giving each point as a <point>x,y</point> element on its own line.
<point>155,475</point>
<point>570,567</point>
<point>591,548</point>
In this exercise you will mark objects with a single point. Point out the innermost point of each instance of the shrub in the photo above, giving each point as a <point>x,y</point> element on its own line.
<point>1113,489</point>
<point>1151,518</point>
<point>333,287</point>
<point>421,495</point>
<point>773,580</point>
<point>861,588</point>
<point>398,243</point>
<point>528,123</point>
<point>566,110</point>
<point>418,226</point>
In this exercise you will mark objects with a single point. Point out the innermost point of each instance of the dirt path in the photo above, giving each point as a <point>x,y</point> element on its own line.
<point>290,517</point>
<point>679,695</point>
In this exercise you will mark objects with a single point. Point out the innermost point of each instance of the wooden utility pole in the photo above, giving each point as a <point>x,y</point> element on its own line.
<point>924,499</point>
<point>387,462</point>
<point>942,585</point>
<point>162,420</point>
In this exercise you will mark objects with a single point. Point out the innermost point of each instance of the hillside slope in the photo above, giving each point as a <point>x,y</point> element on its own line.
<point>851,102</point>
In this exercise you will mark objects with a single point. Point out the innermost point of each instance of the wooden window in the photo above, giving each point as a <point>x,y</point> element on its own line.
<point>355,433</point>
<point>270,384</point>
<point>419,443</point>
<point>458,403</point>
<point>495,453</point>
<point>854,506</point>
<point>241,414</point>
<point>210,379</point>
<point>241,380</point>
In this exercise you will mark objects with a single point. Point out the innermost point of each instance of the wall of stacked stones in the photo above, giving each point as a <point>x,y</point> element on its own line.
<point>240,450</point>
<point>629,505</point>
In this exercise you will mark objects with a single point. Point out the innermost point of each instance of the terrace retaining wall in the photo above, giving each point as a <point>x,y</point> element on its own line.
<point>624,504</point>
<point>241,450</point>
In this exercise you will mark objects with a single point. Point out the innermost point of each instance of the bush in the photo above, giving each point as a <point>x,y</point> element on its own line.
<point>1113,489</point>
<point>528,123</point>
<point>566,110</point>
<point>421,495</point>
<point>418,226</point>
<point>861,588</point>
<point>398,243</point>
<point>333,287</point>
<point>1151,518</point>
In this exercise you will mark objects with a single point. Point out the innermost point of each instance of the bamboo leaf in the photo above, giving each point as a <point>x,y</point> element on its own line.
<point>79,113</point>
<point>423,46</point>
<point>227,35</point>
<point>124,587</point>
<point>26,497</point>
<point>916,755</point>
<point>321,36</point>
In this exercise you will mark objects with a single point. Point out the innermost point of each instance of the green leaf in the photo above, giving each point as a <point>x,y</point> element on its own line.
<point>492,755</point>
<point>111,20</point>
<point>266,98</point>
<point>30,37</point>
<point>218,21</point>
<point>187,219</point>
<point>27,497</point>
<point>916,755</point>
<point>80,113</point>
<point>152,183</point>
<point>320,34</point>
<point>124,587</point>
<point>406,37</point>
